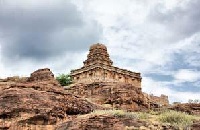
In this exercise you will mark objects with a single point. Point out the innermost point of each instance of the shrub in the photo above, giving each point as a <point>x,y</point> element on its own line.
<point>117,113</point>
<point>142,115</point>
<point>175,118</point>
<point>64,79</point>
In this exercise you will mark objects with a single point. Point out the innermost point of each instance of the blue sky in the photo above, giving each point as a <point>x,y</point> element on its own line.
<point>159,38</point>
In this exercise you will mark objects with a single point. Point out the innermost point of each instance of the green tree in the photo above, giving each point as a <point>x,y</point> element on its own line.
<point>64,79</point>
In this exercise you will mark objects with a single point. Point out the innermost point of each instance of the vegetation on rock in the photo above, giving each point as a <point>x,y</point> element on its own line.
<point>116,113</point>
<point>64,79</point>
<point>179,120</point>
<point>175,118</point>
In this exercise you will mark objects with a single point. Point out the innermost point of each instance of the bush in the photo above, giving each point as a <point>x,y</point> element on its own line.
<point>143,115</point>
<point>175,118</point>
<point>64,79</point>
<point>116,113</point>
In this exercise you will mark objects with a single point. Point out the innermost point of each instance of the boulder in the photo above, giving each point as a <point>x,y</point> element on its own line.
<point>41,75</point>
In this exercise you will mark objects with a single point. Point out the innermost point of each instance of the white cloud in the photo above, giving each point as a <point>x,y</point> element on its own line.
<point>36,34</point>
<point>129,34</point>
<point>157,88</point>
<point>58,65</point>
<point>191,49</point>
<point>139,43</point>
<point>187,75</point>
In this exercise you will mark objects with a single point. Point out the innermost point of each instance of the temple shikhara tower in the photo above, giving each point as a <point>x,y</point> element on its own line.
<point>99,68</point>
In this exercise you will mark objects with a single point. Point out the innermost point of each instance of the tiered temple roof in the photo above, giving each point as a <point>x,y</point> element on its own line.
<point>98,55</point>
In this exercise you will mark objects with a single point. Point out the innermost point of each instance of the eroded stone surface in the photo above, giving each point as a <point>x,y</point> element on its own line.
<point>121,96</point>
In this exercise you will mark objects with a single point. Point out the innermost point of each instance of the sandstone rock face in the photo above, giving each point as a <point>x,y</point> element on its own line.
<point>191,108</point>
<point>121,96</point>
<point>38,103</point>
<point>41,75</point>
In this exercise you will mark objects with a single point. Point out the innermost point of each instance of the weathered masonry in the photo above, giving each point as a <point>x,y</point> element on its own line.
<point>99,68</point>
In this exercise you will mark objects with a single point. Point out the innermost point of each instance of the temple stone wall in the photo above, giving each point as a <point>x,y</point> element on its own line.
<point>99,75</point>
<point>98,67</point>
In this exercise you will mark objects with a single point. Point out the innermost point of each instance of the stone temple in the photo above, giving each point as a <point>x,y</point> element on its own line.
<point>99,68</point>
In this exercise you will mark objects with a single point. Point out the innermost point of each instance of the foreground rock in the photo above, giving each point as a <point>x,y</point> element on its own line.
<point>38,101</point>
<point>195,126</point>
<point>118,95</point>
<point>110,122</point>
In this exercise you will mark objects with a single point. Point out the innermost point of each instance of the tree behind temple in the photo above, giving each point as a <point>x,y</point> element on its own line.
<point>64,79</point>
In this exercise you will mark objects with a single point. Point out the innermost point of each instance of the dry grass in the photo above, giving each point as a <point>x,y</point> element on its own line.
<point>178,119</point>
<point>175,118</point>
<point>117,113</point>
<point>143,115</point>
<point>122,113</point>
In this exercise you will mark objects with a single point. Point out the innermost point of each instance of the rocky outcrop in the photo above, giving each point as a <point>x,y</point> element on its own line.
<point>38,101</point>
<point>14,79</point>
<point>109,122</point>
<point>191,108</point>
<point>41,75</point>
<point>156,101</point>
<point>120,96</point>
